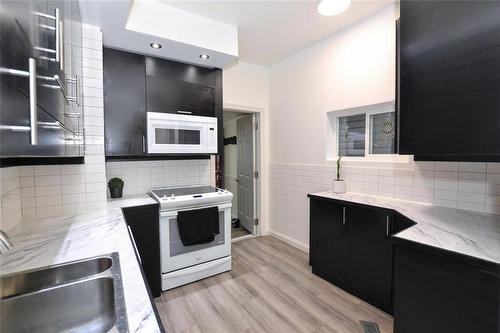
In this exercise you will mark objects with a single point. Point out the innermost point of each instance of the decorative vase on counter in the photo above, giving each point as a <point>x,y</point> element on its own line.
<point>115,186</point>
<point>338,185</point>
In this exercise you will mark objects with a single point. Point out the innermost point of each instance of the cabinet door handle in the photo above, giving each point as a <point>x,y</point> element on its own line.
<point>343,216</point>
<point>387,226</point>
<point>58,35</point>
<point>184,112</point>
<point>143,144</point>
<point>33,102</point>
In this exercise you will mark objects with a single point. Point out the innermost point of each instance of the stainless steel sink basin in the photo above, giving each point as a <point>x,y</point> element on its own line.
<point>81,296</point>
<point>28,281</point>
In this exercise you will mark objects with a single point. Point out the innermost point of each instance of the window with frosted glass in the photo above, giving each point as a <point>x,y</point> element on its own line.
<point>383,133</point>
<point>351,135</point>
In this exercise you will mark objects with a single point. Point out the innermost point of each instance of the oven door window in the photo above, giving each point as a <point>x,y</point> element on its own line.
<point>177,136</point>
<point>176,246</point>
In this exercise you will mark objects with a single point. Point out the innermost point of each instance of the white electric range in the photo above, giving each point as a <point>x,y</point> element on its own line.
<point>181,264</point>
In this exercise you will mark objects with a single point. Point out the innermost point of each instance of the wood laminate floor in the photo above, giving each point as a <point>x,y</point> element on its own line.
<point>239,232</point>
<point>269,289</point>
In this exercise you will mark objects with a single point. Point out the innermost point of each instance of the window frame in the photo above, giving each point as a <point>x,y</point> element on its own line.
<point>368,111</point>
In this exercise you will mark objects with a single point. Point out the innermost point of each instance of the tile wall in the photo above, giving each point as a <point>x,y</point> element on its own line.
<point>10,197</point>
<point>464,185</point>
<point>139,177</point>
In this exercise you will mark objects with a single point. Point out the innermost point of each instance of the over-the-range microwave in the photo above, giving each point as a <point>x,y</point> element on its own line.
<point>181,134</point>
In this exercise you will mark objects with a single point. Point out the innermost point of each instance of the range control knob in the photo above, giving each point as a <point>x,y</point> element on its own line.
<point>172,197</point>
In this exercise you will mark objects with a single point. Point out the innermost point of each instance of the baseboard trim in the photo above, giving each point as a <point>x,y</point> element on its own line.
<point>289,240</point>
<point>234,240</point>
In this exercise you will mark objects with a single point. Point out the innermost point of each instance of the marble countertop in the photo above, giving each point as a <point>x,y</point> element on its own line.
<point>465,232</point>
<point>51,241</point>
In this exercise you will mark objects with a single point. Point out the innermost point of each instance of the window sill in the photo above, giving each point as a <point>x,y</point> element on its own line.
<point>382,160</point>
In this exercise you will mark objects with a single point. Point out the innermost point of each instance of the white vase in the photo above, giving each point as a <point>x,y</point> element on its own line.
<point>338,186</point>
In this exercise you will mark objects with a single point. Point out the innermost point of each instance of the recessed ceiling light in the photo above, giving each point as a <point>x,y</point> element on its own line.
<point>333,7</point>
<point>204,56</point>
<point>155,45</point>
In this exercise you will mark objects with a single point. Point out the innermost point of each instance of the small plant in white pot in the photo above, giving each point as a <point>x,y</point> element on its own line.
<point>338,185</point>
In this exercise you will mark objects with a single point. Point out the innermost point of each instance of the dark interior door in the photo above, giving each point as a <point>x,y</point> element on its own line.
<point>370,256</point>
<point>328,252</point>
<point>124,103</point>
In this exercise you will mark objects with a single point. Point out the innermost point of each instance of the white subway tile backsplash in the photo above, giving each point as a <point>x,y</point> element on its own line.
<point>472,167</point>
<point>48,200</point>
<point>493,178</point>
<point>47,170</point>
<point>447,195</point>
<point>456,185</point>
<point>471,197</point>
<point>490,189</point>
<point>47,180</point>
<point>141,176</point>
<point>48,190</point>
<point>446,166</point>
<point>493,167</point>
<point>27,170</point>
<point>479,187</point>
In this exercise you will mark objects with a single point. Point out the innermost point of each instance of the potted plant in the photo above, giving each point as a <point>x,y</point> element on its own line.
<point>338,185</point>
<point>115,187</point>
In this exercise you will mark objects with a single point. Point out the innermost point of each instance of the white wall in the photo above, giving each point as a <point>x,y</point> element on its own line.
<point>246,88</point>
<point>351,68</point>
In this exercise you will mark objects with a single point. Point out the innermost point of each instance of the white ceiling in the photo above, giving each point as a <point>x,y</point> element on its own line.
<point>269,31</point>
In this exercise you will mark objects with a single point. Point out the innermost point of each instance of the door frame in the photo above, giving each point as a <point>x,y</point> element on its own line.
<point>257,161</point>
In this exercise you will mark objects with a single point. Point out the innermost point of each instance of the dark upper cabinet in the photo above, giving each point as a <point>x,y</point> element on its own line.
<point>179,71</point>
<point>172,96</point>
<point>124,103</point>
<point>174,87</point>
<point>350,247</point>
<point>27,31</point>
<point>370,256</point>
<point>328,251</point>
<point>450,78</point>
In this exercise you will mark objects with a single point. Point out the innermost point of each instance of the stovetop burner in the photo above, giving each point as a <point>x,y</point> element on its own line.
<point>177,191</point>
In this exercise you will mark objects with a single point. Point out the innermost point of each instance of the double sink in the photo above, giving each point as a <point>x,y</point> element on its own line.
<point>79,296</point>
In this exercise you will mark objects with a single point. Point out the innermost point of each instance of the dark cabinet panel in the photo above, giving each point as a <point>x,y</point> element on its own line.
<point>350,247</point>
<point>450,78</point>
<point>370,256</point>
<point>144,223</point>
<point>27,31</point>
<point>124,103</point>
<point>435,294</point>
<point>172,96</point>
<point>174,70</point>
<point>328,252</point>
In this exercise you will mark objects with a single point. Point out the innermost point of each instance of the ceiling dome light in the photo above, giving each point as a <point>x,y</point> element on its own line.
<point>155,45</point>
<point>333,7</point>
<point>204,56</point>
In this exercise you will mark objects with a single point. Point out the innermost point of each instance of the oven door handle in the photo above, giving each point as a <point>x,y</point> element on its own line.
<point>199,267</point>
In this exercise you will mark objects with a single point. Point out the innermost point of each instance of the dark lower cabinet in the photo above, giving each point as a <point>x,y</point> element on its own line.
<point>435,293</point>
<point>144,224</point>
<point>124,103</point>
<point>370,256</point>
<point>350,247</point>
<point>328,242</point>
